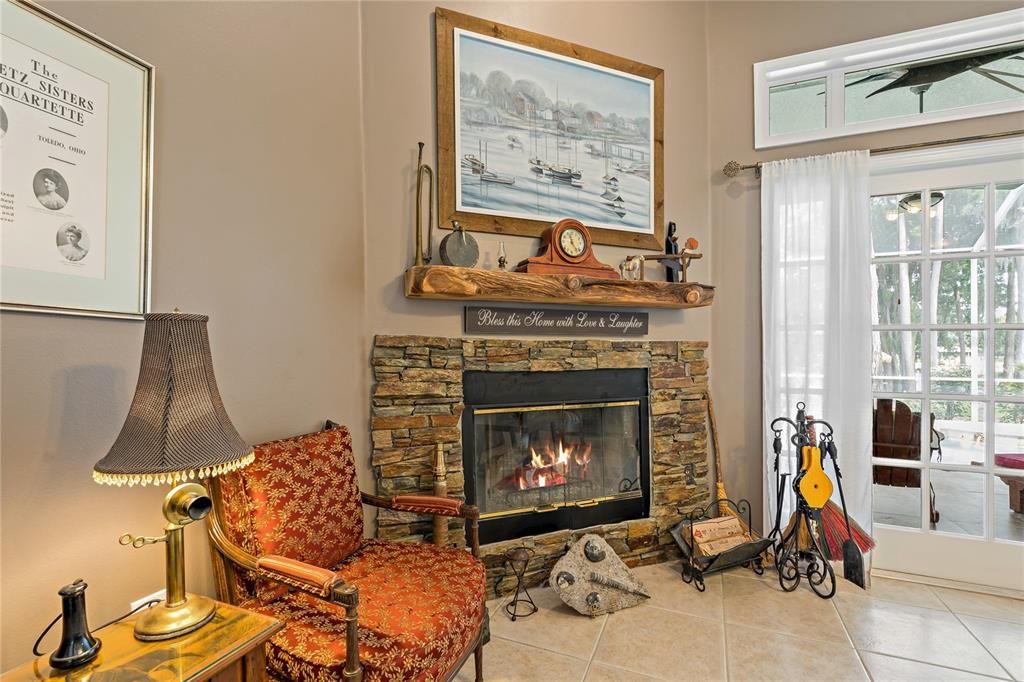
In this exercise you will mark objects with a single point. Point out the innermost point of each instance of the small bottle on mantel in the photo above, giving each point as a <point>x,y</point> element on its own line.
<point>671,248</point>
<point>502,258</point>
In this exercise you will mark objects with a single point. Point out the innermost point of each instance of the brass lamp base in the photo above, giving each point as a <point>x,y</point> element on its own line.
<point>181,612</point>
<point>166,622</point>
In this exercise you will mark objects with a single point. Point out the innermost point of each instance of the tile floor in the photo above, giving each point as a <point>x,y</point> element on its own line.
<point>745,628</point>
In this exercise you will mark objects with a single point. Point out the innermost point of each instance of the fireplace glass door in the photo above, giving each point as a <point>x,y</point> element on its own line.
<point>540,458</point>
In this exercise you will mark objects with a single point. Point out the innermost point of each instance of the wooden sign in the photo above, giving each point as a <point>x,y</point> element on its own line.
<point>482,319</point>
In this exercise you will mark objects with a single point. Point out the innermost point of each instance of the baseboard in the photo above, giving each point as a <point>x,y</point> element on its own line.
<point>952,584</point>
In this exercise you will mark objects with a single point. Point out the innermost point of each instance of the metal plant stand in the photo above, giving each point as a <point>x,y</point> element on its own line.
<point>522,604</point>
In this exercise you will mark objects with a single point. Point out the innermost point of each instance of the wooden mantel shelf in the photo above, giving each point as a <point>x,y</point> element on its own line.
<point>471,284</point>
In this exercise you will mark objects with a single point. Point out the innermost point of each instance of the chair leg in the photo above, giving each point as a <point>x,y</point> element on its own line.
<point>348,597</point>
<point>933,513</point>
<point>478,660</point>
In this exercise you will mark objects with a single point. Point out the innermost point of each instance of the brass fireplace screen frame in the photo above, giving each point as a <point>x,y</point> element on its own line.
<point>589,502</point>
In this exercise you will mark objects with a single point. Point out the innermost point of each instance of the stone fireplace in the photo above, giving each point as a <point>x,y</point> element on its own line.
<point>549,451</point>
<point>550,438</point>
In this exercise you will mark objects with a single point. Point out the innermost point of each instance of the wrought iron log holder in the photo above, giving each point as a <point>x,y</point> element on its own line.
<point>749,554</point>
<point>518,559</point>
<point>789,556</point>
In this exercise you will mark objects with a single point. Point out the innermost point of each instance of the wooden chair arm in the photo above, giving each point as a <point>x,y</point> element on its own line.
<point>317,581</point>
<point>423,504</point>
<point>430,504</point>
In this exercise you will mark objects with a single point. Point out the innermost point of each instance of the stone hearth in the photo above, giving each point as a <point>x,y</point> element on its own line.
<point>417,402</point>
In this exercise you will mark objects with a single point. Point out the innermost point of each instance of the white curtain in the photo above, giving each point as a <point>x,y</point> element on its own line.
<point>816,314</point>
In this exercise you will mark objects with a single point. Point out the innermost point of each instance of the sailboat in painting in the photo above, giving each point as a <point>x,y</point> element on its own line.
<point>529,154</point>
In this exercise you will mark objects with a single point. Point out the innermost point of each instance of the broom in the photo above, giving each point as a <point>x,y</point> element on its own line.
<point>835,531</point>
<point>833,520</point>
<point>723,506</point>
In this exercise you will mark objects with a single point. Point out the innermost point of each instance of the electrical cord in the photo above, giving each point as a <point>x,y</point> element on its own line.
<point>35,647</point>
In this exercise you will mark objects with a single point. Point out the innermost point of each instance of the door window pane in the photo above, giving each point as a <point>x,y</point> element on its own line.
<point>897,435</point>
<point>960,501</point>
<point>1008,507</point>
<point>797,107</point>
<point>896,362</point>
<point>951,81</point>
<point>958,362</point>
<point>894,230</point>
<point>897,293</point>
<point>895,505</point>
<point>1009,289</point>
<point>1009,362</point>
<point>958,434</point>
<point>960,294</point>
<point>1009,429</point>
<point>1010,215</point>
<point>958,219</point>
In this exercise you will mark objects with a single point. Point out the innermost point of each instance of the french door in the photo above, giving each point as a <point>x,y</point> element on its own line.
<point>948,363</point>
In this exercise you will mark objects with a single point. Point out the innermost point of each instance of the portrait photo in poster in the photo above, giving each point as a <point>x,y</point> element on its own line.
<point>74,201</point>
<point>61,139</point>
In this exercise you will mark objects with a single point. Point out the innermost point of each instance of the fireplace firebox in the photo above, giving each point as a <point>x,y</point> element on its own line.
<point>545,451</point>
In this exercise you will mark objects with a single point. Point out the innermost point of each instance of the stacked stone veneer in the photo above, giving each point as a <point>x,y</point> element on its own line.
<point>417,402</point>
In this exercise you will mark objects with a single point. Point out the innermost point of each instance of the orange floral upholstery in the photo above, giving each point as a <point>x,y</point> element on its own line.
<point>298,499</point>
<point>420,607</point>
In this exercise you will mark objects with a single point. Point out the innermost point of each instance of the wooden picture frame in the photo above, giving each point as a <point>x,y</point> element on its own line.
<point>606,140</point>
<point>76,193</point>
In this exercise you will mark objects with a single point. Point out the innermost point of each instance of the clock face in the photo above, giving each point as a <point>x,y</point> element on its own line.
<point>573,242</point>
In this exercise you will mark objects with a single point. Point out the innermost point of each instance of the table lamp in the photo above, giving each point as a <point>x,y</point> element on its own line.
<point>176,433</point>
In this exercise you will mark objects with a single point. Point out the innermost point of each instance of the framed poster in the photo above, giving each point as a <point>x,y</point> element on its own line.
<point>532,129</point>
<point>75,168</point>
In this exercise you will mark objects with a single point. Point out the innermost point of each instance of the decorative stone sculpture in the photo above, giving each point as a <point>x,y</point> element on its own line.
<point>592,579</point>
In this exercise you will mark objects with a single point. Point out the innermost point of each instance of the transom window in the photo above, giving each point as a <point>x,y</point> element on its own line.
<point>954,71</point>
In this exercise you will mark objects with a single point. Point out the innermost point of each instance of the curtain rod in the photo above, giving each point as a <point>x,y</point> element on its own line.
<point>733,168</point>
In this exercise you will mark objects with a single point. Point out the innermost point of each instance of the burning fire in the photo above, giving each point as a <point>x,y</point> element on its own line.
<point>553,466</point>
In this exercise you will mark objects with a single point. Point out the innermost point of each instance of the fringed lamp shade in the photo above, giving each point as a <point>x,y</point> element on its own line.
<point>176,429</point>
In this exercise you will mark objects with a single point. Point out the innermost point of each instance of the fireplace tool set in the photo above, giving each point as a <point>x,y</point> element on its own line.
<point>806,538</point>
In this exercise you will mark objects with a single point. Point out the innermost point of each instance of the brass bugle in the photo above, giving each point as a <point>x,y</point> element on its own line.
<point>422,258</point>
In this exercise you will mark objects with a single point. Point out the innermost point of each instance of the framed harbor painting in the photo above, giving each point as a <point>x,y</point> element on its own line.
<point>75,169</point>
<point>532,129</point>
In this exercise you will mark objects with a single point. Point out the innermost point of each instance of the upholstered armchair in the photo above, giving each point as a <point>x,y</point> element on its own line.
<point>287,533</point>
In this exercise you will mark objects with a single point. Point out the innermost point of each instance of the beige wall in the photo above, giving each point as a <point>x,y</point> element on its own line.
<point>258,223</point>
<point>398,86</point>
<point>739,35</point>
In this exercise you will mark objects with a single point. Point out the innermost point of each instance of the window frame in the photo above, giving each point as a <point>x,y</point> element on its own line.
<point>985,164</point>
<point>834,62</point>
